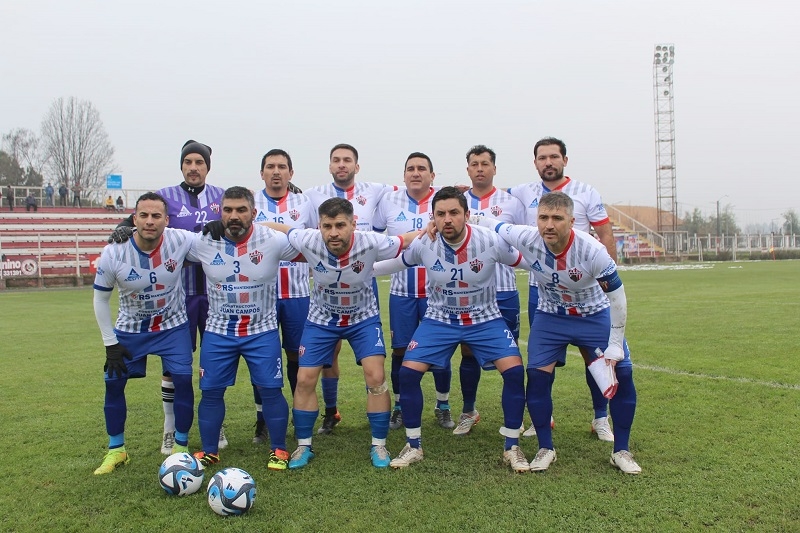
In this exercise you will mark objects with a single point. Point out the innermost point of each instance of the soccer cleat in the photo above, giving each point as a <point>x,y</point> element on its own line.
<point>206,459</point>
<point>516,459</point>
<point>301,456</point>
<point>622,460</point>
<point>396,420</point>
<point>113,459</point>
<point>168,443</point>
<point>278,460</point>
<point>262,435</point>
<point>380,456</point>
<point>603,430</point>
<point>328,423</point>
<point>466,421</point>
<point>180,448</point>
<point>223,440</point>
<point>407,456</point>
<point>443,418</point>
<point>531,431</point>
<point>544,458</point>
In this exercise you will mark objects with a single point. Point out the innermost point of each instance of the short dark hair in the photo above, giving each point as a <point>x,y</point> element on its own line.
<point>277,151</point>
<point>479,149</point>
<point>333,207</point>
<point>445,193</point>
<point>412,155</point>
<point>237,193</point>
<point>343,146</point>
<point>152,196</point>
<point>547,141</point>
<point>556,199</point>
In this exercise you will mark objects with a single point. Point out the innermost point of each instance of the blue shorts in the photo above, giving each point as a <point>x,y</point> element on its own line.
<point>219,360</point>
<point>365,338</point>
<point>434,342</point>
<point>405,314</point>
<point>173,345</point>
<point>292,314</point>
<point>550,335</point>
<point>508,302</point>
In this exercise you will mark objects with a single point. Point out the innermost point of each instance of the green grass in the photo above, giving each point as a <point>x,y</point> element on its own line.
<point>716,430</point>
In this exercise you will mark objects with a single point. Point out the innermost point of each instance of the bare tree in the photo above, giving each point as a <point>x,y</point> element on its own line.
<point>25,147</point>
<point>76,145</point>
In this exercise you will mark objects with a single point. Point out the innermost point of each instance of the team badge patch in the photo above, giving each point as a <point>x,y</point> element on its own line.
<point>361,200</point>
<point>215,207</point>
<point>301,351</point>
<point>171,265</point>
<point>476,265</point>
<point>496,210</point>
<point>256,257</point>
<point>575,274</point>
<point>357,267</point>
<point>293,214</point>
<point>413,344</point>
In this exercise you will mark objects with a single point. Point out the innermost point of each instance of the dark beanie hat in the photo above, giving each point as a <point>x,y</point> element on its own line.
<point>194,147</point>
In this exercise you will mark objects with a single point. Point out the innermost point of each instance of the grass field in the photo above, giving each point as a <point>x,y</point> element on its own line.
<point>716,430</point>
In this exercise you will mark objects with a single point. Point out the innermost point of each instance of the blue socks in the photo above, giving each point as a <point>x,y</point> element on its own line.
<point>623,408</point>
<point>470,375</point>
<point>411,400</point>
<point>513,401</point>
<point>330,392</point>
<point>540,404</point>
<point>210,414</point>
<point>276,415</point>
<point>304,423</point>
<point>115,408</point>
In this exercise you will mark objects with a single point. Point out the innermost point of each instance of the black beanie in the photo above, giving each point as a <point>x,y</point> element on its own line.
<point>194,147</point>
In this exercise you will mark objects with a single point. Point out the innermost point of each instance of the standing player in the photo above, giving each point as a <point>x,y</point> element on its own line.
<point>343,306</point>
<point>484,199</point>
<point>399,212</point>
<point>276,203</point>
<point>581,302</point>
<point>242,273</point>
<point>550,159</point>
<point>462,308</point>
<point>364,197</point>
<point>152,319</point>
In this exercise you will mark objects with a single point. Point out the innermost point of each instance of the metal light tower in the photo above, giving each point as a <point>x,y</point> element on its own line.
<point>663,61</point>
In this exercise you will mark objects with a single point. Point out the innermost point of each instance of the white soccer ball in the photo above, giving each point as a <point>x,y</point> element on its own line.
<point>231,491</point>
<point>180,474</point>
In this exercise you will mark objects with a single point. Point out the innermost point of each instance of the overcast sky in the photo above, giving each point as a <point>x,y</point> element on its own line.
<point>437,77</point>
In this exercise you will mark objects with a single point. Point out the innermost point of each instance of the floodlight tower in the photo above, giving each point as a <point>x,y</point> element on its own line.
<point>663,61</point>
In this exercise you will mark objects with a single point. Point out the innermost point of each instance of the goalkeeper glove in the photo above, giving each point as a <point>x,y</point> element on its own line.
<point>216,228</point>
<point>121,234</point>
<point>115,364</point>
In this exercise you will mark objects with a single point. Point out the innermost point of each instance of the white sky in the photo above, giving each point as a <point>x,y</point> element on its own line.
<point>438,77</point>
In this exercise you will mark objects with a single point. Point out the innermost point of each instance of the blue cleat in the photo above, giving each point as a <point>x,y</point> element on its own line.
<point>300,457</point>
<point>380,456</point>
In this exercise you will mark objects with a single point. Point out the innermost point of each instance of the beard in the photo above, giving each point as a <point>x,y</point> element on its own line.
<point>551,177</point>
<point>237,230</point>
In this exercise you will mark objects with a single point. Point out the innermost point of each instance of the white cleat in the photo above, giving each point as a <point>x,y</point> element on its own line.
<point>516,459</point>
<point>466,421</point>
<point>624,461</point>
<point>223,440</point>
<point>544,458</point>
<point>406,457</point>
<point>168,442</point>
<point>601,427</point>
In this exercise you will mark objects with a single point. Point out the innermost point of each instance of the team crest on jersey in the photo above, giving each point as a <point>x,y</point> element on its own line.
<point>133,275</point>
<point>534,203</point>
<point>215,207</point>
<point>256,257</point>
<point>320,268</point>
<point>202,372</point>
<point>294,214</point>
<point>401,217</point>
<point>218,260</point>
<point>496,210</point>
<point>476,265</point>
<point>301,351</point>
<point>536,266</point>
<point>575,274</point>
<point>357,267</point>
<point>361,200</point>
<point>437,267</point>
<point>184,212</point>
<point>100,271</point>
<point>413,344</point>
<point>171,265</point>
<point>261,217</point>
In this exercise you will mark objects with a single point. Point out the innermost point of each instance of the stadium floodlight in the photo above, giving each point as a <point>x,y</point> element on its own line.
<point>667,203</point>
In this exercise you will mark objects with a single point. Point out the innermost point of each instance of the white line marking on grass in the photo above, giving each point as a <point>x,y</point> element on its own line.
<point>771,384</point>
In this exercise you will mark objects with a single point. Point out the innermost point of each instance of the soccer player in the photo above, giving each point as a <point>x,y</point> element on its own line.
<point>462,308</point>
<point>550,159</point>
<point>241,272</point>
<point>581,302</point>
<point>364,197</point>
<point>343,306</point>
<point>484,199</point>
<point>151,320</point>
<point>398,212</point>
<point>276,203</point>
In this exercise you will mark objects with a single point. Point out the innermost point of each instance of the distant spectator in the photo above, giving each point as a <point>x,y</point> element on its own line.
<point>110,203</point>
<point>76,195</point>
<point>62,195</point>
<point>120,204</point>
<point>30,203</point>
<point>48,195</point>
<point>10,197</point>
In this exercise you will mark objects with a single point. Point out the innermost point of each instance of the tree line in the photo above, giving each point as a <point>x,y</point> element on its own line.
<point>696,224</point>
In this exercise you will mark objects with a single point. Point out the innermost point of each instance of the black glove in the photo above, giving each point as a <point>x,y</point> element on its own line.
<point>121,234</point>
<point>216,228</point>
<point>115,355</point>
<point>294,188</point>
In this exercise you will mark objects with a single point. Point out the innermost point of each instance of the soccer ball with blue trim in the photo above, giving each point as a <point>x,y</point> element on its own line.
<point>180,474</point>
<point>231,491</point>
